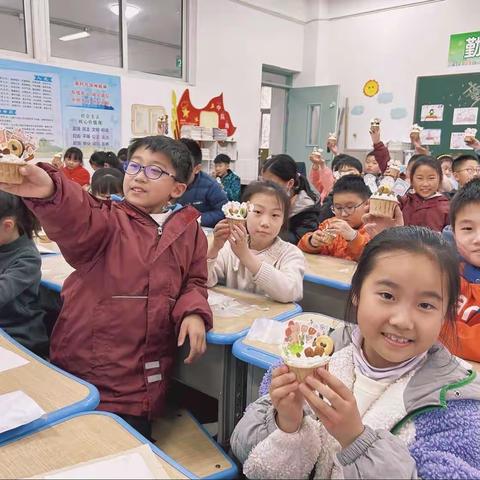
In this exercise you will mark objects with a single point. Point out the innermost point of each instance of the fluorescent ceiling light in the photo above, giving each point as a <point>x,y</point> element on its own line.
<point>74,36</point>
<point>130,11</point>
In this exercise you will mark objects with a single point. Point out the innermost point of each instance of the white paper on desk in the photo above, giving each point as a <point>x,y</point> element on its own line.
<point>9,360</point>
<point>17,409</point>
<point>138,463</point>
<point>267,330</point>
<point>43,249</point>
<point>225,306</point>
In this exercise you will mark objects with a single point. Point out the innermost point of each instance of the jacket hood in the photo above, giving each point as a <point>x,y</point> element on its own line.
<point>302,202</point>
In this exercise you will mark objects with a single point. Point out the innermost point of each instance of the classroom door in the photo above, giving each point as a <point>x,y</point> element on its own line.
<point>311,116</point>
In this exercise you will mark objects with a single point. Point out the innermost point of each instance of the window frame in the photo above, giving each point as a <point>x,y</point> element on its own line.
<point>27,20</point>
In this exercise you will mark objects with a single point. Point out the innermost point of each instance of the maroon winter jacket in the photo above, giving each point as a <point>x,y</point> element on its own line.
<point>382,156</point>
<point>432,212</point>
<point>124,304</point>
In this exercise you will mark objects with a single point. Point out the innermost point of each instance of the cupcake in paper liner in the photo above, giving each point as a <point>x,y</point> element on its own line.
<point>328,236</point>
<point>306,347</point>
<point>332,137</point>
<point>394,165</point>
<point>236,212</point>
<point>415,131</point>
<point>384,200</point>
<point>470,134</point>
<point>375,122</point>
<point>10,168</point>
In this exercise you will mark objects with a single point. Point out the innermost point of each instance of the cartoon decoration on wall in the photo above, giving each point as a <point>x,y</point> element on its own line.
<point>371,88</point>
<point>162,125</point>
<point>213,115</point>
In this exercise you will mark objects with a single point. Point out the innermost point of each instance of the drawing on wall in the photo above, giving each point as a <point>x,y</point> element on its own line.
<point>213,115</point>
<point>386,97</point>
<point>398,113</point>
<point>145,119</point>
<point>357,110</point>
<point>465,116</point>
<point>431,136</point>
<point>473,93</point>
<point>431,113</point>
<point>371,88</point>
<point>457,141</point>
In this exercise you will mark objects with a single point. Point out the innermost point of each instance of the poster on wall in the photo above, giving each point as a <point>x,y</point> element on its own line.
<point>431,113</point>
<point>465,116</point>
<point>431,136</point>
<point>457,141</point>
<point>60,107</point>
<point>464,49</point>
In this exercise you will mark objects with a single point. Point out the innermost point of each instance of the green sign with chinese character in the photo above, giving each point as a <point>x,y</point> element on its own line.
<point>464,49</point>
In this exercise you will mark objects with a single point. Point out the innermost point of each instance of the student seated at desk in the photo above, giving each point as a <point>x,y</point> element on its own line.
<point>139,288</point>
<point>203,192</point>
<point>394,402</point>
<point>464,340</point>
<point>426,206</point>
<point>107,184</point>
<point>20,313</point>
<point>255,258</point>
<point>72,167</point>
<point>343,236</point>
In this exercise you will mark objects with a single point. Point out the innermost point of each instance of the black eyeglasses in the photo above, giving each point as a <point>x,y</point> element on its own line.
<point>153,172</point>
<point>347,210</point>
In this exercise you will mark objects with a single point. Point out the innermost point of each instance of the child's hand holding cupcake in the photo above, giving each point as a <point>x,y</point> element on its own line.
<point>321,237</point>
<point>221,233</point>
<point>340,227</point>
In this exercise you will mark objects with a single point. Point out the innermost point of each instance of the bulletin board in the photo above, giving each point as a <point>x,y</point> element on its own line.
<point>61,107</point>
<point>445,105</point>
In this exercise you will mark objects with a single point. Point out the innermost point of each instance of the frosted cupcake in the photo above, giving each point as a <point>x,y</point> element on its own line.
<point>470,134</point>
<point>328,236</point>
<point>332,137</point>
<point>10,168</point>
<point>375,122</point>
<point>394,165</point>
<point>306,347</point>
<point>236,212</point>
<point>384,201</point>
<point>415,131</point>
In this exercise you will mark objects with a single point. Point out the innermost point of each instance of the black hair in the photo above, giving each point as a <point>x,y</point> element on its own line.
<point>415,240</point>
<point>195,150</point>
<point>222,158</point>
<point>122,155</point>
<point>101,158</point>
<point>458,162</point>
<point>370,154</point>
<point>352,184</point>
<point>414,158</point>
<point>176,152</point>
<point>285,167</point>
<point>344,160</point>
<point>445,158</point>
<point>467,195</point>
<point>269,188</point>
<point>107,181</point>
<point>427,161</point>
<point>12,206</point>
<point>75,153</point>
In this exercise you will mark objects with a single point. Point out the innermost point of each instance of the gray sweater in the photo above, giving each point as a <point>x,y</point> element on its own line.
<point>20,313</point>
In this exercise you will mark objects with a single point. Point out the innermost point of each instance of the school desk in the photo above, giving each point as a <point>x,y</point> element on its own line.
<point>260,356</point>
<point>57,392</point>
<point>182,438</point>
<point>326,284</point>
<point>79,438</point>
<point>218,373</point>
<point>55,270</point>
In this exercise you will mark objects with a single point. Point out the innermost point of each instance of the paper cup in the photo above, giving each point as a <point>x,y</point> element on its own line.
<point>328,238</point>
<point>10,173</point>
<point>303,372</point>
<point>236,221</point>
<point>382,207</point>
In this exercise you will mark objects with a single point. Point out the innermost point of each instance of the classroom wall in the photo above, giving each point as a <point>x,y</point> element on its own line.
<point>393,46</point>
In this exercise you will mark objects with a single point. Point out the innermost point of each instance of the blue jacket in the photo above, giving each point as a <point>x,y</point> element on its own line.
<point>207,196</point>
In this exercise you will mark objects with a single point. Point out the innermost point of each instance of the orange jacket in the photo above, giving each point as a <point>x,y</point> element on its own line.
<point>340,247</point>
<point>78,175</point>
<point>465,341</point>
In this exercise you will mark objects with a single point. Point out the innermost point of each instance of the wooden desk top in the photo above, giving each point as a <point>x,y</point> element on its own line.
<point>263,307</point>
<point>330,267</point>
<point>52,246</point>
<point>55,269</point>
<point>79,439</point>
<point>275,348</point>
<point>49,388</point>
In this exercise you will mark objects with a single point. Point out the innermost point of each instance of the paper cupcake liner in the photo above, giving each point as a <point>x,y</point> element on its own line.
<point>10,173</point>
<point>329,238</point>
<point>382,208</point>
<point>236,221</point>
<point>303,373</point>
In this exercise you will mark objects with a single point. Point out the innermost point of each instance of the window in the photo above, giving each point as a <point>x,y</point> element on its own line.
<point>155,38</point>
<point>12,26</point>
<point>85,30</point>
<point>314,125</point>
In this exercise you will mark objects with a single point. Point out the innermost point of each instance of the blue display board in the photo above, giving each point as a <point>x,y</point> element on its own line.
<point>61,107</point>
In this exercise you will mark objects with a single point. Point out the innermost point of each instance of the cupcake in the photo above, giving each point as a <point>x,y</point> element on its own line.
<point>384,201</point>
<point>332,137</point>
<point>328,237</point>
<point>470,134</point>
<point>236,212</point>
<point>306,347</point>
<point>375,122</point>
<point>415,131</point>
<point>394,165</point>
<point>10,168</point>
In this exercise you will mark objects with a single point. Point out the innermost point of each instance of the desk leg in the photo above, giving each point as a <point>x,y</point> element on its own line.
<point>322,299</point>
<point>254,379</point>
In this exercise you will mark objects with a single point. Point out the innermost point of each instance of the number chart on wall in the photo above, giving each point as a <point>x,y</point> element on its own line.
<point>446,106</point>
<point>61,107</point>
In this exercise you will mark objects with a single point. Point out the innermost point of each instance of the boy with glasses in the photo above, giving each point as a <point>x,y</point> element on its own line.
<point>465,168</point>
<point>344,235</point>
<point>139,288</point>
